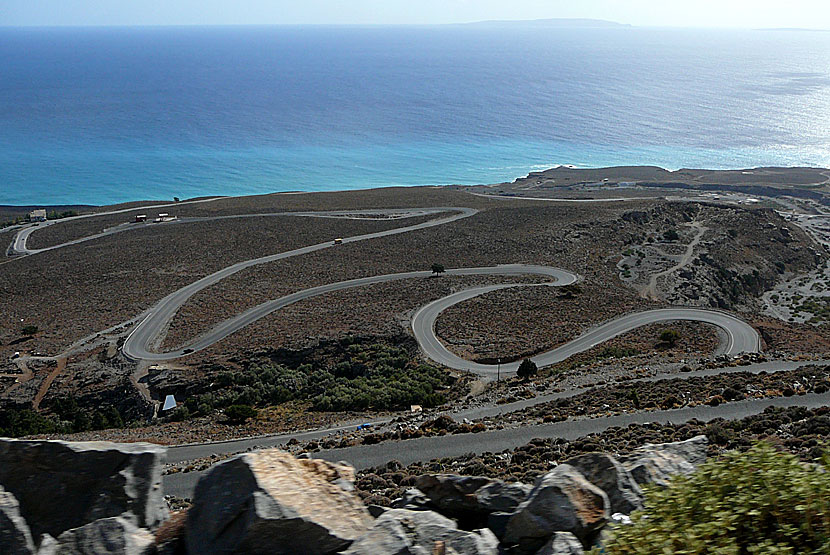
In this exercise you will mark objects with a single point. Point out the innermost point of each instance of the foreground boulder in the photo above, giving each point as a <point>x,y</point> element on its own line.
<point>15,536</point>
<point>60,485</point>
<point>692,450</point>
<point>656,464</point>
<point>561,501</point>
<point>114,536</point>
<point>404,532</point>
<point>561,543</point>
<point>605,472</point>
<point>414,500</point>
<point>471,498</point>
<point>270,502</point>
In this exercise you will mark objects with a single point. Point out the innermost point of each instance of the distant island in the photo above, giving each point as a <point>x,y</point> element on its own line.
<point>562,23</point>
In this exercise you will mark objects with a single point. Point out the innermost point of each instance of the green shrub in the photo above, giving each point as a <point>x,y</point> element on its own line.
<point>79,419</point>
<point>671,235</point>
<point>55,215</point>
<point>670,337</point>
<point>237,414</point>
<point>24,422</point>
<point>370,376</point>
<point>527,369</point>
<point>29,330</point>
<point>181,414</point>
<point>759,501</point>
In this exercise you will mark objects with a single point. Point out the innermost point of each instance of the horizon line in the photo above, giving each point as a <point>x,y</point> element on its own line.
<point>578,23</point>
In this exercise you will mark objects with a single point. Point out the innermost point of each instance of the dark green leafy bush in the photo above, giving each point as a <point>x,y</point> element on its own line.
<point>527,369</point>
<point>670,337</point>
<point>23,422</point>
<point>671,235</point>
<point>369,376</point>
<point>237,414</point>
<point>758,501</point>
<point>67,417</point>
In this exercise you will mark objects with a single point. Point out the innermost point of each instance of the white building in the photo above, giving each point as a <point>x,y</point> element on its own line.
<point>37,215</point>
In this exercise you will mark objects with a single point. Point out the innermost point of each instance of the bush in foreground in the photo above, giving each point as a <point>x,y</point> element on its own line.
<point>759,501</point>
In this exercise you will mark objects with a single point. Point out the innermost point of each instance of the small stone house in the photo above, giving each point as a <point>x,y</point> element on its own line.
<point>37,215</point>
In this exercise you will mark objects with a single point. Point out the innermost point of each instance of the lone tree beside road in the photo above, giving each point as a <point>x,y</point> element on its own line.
<point>527,369</point>
<point>29,330</point>
<point>438,269</point>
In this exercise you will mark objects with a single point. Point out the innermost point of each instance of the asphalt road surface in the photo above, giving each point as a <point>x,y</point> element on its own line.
<point>427,448</point>
<point>19,243</point>
<point>197,450</point>
<point>19,247</point>
<point>740,336</point>
<point>137,345</point>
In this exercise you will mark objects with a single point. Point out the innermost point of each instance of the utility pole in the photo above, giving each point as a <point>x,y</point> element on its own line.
<point>498,371</point>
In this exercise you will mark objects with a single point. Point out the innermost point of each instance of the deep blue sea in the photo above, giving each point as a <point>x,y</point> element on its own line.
<point>102,115</point>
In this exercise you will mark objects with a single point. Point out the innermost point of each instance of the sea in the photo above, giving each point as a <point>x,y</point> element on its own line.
<point>112,114</point>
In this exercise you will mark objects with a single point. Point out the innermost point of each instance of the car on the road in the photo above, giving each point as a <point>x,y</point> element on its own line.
<point>338,241</point>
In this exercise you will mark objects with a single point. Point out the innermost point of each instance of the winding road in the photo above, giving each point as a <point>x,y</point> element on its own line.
<point>740,337</point>
<point>139,344</point>
<point>18,246</point>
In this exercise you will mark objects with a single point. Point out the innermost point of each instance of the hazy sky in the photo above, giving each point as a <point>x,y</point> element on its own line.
<point>692,13</point>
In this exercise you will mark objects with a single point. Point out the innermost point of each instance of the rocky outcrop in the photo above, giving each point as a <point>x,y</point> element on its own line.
<point>83,482</point>
<point>692,450</point>
<point>561,543</point>
<point>270,502</point>
<point>605,472</point>
<point>399,531</point>
<point>414,500</point>
<point>15,536</point>
<point>386,536</point>
<point>656,464</point>
<point>567,507</point>
<point>471,498</point>
<point>562,500</point>
<point>114,536</point>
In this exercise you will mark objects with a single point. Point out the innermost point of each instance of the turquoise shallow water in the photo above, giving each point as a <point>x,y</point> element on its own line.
<point>109,115</point>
